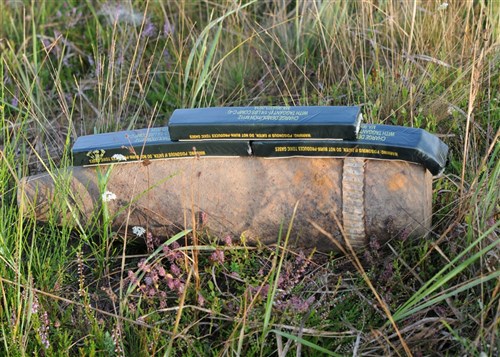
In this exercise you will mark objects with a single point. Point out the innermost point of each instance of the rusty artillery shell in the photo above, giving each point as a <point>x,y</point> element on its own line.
<point>248,197</point>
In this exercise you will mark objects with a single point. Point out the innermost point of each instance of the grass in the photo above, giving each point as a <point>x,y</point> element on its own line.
<point>70,68</point>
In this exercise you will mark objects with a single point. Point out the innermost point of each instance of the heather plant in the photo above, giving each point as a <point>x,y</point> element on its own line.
<point>70,68</point>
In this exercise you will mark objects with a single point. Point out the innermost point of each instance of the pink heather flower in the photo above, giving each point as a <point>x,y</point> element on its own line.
<point>175,284</point>
<point>374,243</point>
<point>201,300</point>
<point>154,276</point>
<point>132,277</point>
<point>43,330</point>
<point>388,272</point>
<point>144,266</point>
<point>261,291</point>
<point>299,259</point>
<point>13,318</point>
<point>175,270</point>
<point>149,242</point>
<point>217,257</point>
<point>281,281</point>
<point>161,271</point>
<point>405,234</point>
<point>203,218</point>
<point>228,240</point>
<point>163,299</point>
<point>180,287</point>
<point>300,305</point>
<point>35,305</point>
<point>170,282</point>
<point>171,254</point>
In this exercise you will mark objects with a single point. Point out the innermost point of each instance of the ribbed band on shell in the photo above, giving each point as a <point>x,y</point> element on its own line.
<point>353,205</point>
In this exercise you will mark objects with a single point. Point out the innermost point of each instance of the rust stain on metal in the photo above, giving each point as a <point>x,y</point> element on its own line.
<point>398,181</point>
<point>297,178</point>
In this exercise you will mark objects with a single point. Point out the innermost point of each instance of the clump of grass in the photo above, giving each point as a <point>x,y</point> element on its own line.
<point>72,68</point>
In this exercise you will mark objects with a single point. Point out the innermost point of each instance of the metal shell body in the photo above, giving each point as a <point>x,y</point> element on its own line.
<point>246,196</point>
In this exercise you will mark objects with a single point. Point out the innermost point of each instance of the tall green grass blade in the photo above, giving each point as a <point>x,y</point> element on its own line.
<point>441,278</point>
<point>305,342</point>
<point>276,275</point>
<point>201,78</point>
<point>447,294</point>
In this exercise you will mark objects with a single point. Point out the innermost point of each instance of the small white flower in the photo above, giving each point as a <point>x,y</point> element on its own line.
<point>443,6</point>
<point>108,196</point>
<point>119,157</point>
<point>138,231</point>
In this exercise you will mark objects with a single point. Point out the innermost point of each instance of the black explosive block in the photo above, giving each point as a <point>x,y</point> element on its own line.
<point>375,141</point>
<point>147,144</point>
<point>266,123</point>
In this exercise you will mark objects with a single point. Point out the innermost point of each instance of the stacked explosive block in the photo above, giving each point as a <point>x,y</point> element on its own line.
<point>267,131</point>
